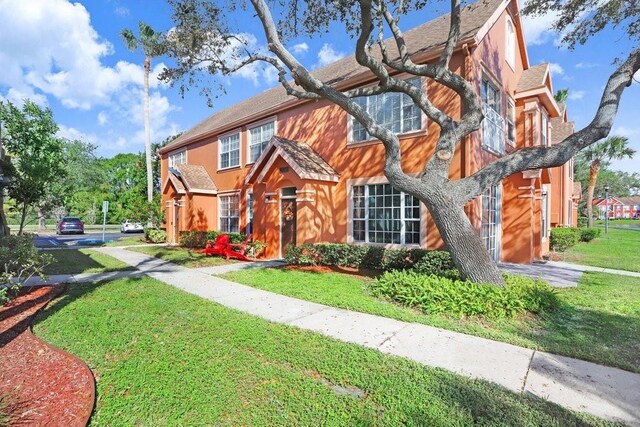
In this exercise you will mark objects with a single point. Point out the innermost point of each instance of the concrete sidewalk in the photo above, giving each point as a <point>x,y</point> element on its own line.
<point>567,266</point>
<point>607,392</point>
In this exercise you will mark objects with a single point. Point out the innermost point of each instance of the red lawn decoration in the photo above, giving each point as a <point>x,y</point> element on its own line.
<point>223,247</point>
<point>238,250</point>
<point>218,247</point>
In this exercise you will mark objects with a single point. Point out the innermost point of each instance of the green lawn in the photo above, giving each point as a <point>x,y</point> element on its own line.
<point>599,321</point>
<point>618,249</point>
<point>164,357</point>
<point>135,240</point>
<point>616,222</point>
<point>182,256</point>
<point>75,261</point>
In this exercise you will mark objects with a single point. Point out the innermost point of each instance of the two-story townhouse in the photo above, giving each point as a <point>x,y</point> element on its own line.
<point>292,171</point>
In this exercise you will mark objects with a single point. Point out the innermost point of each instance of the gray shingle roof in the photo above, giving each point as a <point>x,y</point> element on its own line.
<point>299,155</point>
<point>532,78</point>
<point>196,179</point>
<point>426,37</point>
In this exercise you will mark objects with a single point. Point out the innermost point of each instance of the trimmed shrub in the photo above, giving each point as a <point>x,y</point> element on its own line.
<point>304,254</point>
<point>588,234</point>
<point>19,261</point>
<point>155,235</point>
<point>563,238</point>
<point>437,263</point>
<point>198,239</point>
<point>582,221</point>
<point>442,295</point>
<point>372,258</point>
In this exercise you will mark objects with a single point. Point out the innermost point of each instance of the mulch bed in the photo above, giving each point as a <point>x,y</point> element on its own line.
<point>334,269</point>
<point>40,384</point>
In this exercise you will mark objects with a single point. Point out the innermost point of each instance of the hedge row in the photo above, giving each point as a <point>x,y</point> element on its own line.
<point>562,238</point>
<point>372,257</point>
<point>441,295</point>
<point>199,239</point>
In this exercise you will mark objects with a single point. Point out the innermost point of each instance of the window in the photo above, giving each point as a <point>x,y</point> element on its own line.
<point>544,131</point>
<point>382,214</point>
<point>571,169</point>
<point>511,122</point>
<point>177,158</point>
<point>493,124</point>
<point>491,221</point>
<point>249,213</point>
<point>230,213</point>
<point>395,111</point>
<point>570,213</point>
<point>230,151</point>
<point>510,54</point>
<point>258,139</point>
<point>544,214</point>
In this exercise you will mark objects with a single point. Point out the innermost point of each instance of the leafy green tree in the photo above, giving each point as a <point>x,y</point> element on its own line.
<point>36,154</point>
<point>614,147</point>
<point>151,42</point>
<point>561,95</point>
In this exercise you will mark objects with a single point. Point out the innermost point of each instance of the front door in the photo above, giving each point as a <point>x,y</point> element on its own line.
<point>288,223</point>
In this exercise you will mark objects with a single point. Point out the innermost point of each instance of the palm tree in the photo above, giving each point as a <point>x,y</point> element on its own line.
<point>612,148</point>
<point>151,42</point>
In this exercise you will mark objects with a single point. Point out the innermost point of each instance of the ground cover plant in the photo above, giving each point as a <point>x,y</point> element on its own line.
<point>619,249</point>
<point>598,321</point>
<point>164,357</point>
<point>183,256</point>
<point>76,261</point>
<point>136,240</point>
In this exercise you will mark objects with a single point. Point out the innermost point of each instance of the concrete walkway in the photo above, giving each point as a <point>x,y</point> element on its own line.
<point>566,266</point>
<point>557,276</point>
<point>607,392</point>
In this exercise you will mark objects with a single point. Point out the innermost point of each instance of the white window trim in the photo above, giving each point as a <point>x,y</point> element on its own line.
<point>226,135</point>
<point>423,118</point>
<point>173,153</point>
<point>248,195</point>
<point>510,54</point>
<point>380,180</point>
<point>547,132</point>
<point>499,224</point>
<point>227,194</point>
<point>254,125</point>
<point>510,101</point>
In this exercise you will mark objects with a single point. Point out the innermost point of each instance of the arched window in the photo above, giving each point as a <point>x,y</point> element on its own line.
<point>511,44</point>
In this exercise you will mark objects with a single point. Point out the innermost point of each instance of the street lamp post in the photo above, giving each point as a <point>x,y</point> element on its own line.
<point>606,208</point>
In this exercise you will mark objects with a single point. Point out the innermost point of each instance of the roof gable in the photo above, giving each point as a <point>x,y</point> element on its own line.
<point>306,163</point>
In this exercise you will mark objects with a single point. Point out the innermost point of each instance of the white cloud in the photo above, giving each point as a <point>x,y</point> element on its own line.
<point>576,95</point>
<point>585,65</point>
<point>72,133</point>
<point>328,54</point>
<point>537,29</point>
<point>556,68</point>
<point>625,131</point>
<point>300,48</point>
<point>103,118</point>
<point>122,11</point>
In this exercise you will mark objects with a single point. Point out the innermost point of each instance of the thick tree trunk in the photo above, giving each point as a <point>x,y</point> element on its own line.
<point>147,130</point>
<point>465,244</point>
<point>594,169</point>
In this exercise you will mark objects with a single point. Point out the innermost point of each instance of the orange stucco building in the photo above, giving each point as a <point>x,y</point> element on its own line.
<point>293,171</point>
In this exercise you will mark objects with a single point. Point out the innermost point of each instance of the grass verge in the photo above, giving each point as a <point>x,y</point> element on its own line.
<point>76,261</point>
<point>182,256</point>
<point>619,249</point>
<point>599,321</point>
<point>136,240</point>
<point>164,357</point>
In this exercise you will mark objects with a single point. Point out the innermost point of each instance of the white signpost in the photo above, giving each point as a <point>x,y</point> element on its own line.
<point>105,208</point>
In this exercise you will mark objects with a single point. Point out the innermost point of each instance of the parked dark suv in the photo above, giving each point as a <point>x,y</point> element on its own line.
<point>70,224</point>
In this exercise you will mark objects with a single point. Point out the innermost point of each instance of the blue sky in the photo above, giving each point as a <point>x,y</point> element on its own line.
<point>69,57</point>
